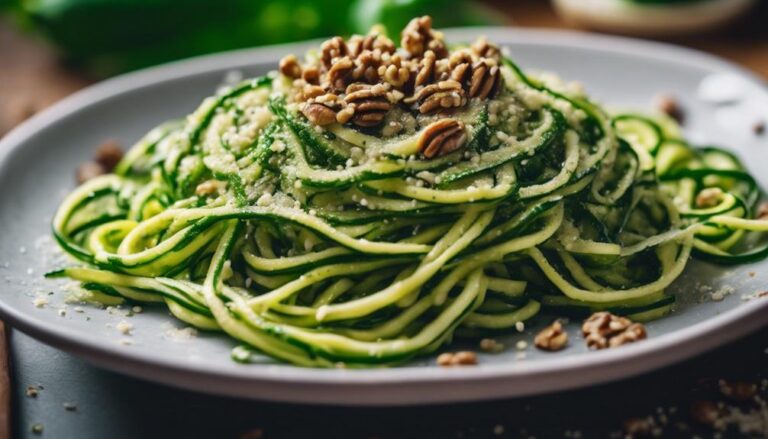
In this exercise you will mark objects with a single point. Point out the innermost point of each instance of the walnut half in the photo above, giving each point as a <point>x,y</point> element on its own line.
<point>442,137</point>
<point>551,338</point>
<point>605,330</point>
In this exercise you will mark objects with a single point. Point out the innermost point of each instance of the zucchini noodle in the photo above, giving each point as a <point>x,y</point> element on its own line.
<point>326,245</point>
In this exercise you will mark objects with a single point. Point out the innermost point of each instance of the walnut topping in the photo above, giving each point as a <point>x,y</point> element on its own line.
<point>461,358</point>
<point>551,338</point>
<point>289,66</point>
<point>319,113</point>
<point>367,67</point>
<point>485,49</point>
<point>109,154</point>
<point>485,80</point>
<point>705,412</point>
<point>737,390</point>
<point>418,37</point>
<point>442,137</point>
<point>421,78</point>
<point>671,107</point>
<point>340,74</point>
<point>436,97</point>
<point>605,330</point>
<point>370,103</point>
<point>426,72</point>
<point>332,49</point>
<point>708,197</point>
<point>371,42</point>
<point>88,171</point>
<point>210,187</point>
<point>762,210</point>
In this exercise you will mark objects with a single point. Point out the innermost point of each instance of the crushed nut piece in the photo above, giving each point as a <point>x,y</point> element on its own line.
<point>426,72</point>
<point>605,330</point>
<point>485,49</point>
<point>551,338</point>
<point>32,391</point>
<point>331,50</point>
<point>708,197</point>
<point>762,211</point>
<point>485,80</point>
<point>670,106</point>
<point>319,114</point>
<point>418,37</point>
<point>209,187</point>
<point>442,137</point>
<point>370,103</point>
<point>490,345</point>
<point>637,426</point>
<point>461,358</point>
<point>290,67</point>
<point>759,128</point>
<point>738,390</point>
<point>340,73</point>
<point>436,97</point>
<point>88,171</point>
<point>705,412</point>
<point>109,154</point>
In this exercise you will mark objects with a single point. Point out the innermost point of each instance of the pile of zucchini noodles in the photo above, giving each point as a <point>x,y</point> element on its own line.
<point>315,254</point>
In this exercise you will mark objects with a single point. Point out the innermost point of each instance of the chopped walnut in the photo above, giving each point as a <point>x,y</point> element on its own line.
<point>491,345</point>
<point>442,137</point>
<point>605,330</point>
<point>289,66</point>
<point>485,80</point>
<point>396,73</point>
<point>340,74</point>
<point>762,210</point>
<point>420,78</point>
<point>371,42</point>
<point>311,75</point>
<point>637,426</point>
<point>759,128</point>
<point>705,412</point>
<point>88,171</point>
<point>209,187</point>
<point>461,358</point>
<point>109,154</point>
<point>551,338</point>
<point>319,114</point>
<point>436,97</point>
<point>485,49</point>
<point>367,67</point>
<point>331,50</point>
<point>426,71</point>
<point>370,103</point>
<point>708,197</point>
<point>671,107</point>
<point>418,37</point>
<point>738,390</point>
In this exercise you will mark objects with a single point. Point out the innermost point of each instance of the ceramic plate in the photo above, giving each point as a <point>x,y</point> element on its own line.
<point>38,159</point>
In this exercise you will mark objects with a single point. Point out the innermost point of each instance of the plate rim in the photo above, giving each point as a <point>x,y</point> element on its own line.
<point>396,385</point>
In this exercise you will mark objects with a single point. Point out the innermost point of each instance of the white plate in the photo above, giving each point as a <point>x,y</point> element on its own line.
<point>37,161</point>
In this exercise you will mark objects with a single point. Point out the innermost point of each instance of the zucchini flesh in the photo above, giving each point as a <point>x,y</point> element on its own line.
<point>335,245</point>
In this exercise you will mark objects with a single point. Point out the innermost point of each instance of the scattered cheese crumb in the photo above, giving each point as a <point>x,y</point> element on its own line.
<point>40,302</point>
<point>124,327</point>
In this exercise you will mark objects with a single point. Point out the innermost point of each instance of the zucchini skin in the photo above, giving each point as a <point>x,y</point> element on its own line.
<point>290,243</point>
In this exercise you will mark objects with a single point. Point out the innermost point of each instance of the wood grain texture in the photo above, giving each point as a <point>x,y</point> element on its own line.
<point>5,386</point>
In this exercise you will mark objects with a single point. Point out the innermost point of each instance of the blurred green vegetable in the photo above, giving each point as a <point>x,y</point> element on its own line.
<point>109,36</point>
